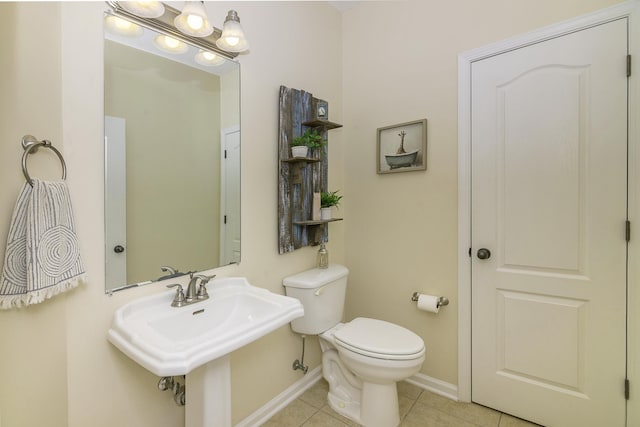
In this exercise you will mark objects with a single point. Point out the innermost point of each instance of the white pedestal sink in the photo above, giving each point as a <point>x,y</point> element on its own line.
<point>196,340</point>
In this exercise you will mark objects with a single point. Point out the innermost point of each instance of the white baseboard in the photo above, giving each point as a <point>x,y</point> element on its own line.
<point>275,405</point>
<point>279,402</point>
<point>435,385</point>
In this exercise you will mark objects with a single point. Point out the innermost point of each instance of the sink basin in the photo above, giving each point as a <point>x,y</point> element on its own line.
<point>171,341</point>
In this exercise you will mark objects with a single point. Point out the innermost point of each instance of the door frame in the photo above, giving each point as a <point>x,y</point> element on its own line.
<point>629,9</point>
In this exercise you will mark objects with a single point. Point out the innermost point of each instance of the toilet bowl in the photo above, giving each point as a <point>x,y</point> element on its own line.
<point>362,360</point>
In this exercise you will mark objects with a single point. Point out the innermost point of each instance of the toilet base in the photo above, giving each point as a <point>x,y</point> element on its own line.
<point>346,408</point>
<point>369,404</point>
<point>378,407</point>
<point>344,387</point>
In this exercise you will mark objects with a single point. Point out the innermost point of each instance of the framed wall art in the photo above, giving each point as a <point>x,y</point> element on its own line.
<point>402,147</point>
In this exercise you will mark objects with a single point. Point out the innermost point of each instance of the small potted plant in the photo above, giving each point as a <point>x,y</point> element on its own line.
<point>310,139</point>
<point>327,200</point>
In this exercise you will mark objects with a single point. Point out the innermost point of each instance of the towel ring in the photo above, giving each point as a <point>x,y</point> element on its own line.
<point>31,145</point>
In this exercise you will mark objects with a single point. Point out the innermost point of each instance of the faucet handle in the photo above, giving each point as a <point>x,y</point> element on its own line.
<point>202,290</point>
<point>204,279</point>
<point>178,300</point>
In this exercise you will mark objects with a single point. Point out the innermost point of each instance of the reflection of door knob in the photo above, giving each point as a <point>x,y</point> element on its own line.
<point>484,253</point>
<point>118,249</point>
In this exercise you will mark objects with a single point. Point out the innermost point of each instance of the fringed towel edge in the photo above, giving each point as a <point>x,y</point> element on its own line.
<point>40,295</point>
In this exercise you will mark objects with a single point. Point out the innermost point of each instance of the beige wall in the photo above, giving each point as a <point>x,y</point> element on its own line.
<point>33,364</point>
<point>400,229</point>
<point>400,65</point>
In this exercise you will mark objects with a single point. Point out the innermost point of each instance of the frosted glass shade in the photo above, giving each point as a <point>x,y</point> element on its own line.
<point>144,9</point>
<point>232,38</point>
<point>193,20</point>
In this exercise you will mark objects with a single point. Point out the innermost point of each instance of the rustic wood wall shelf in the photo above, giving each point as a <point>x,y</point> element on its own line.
<point>301,160</point>
<point>318,123</point>
<point>318,222</point>
<point>300,177</point>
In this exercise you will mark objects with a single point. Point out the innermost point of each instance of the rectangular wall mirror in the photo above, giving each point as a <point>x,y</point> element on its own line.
<point>172,158</point>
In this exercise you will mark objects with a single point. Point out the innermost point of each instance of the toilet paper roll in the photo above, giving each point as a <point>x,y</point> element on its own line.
<point>428,303</point>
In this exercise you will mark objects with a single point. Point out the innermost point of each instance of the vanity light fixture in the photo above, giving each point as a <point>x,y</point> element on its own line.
<point>169,44</point>
<point>232,38</point>
<point>122,27</point>
<point>208,59</point>
<point>144,9</point>
<point>191,25</point>
<point>193,20</point>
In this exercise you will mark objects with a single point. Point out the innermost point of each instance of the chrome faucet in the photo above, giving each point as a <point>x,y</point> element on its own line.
<point>171,272</point>
<point>191,288</point>
<point>168,269</point>
<point>192,295</point>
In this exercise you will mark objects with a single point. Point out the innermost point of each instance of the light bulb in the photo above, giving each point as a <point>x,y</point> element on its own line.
<point>232,41</point>
<point>122,24</point>
<point>209,59</point>
<point>195,22</point>
<point>122,27</point>
<point>171,42</point>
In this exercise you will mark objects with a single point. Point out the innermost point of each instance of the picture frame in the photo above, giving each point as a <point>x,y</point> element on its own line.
<point>402,147</point>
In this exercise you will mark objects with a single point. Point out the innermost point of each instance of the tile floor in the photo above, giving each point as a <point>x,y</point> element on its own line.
<point>418,408</point>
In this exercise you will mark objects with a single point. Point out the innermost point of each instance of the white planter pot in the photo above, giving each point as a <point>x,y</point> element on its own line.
<point>325,214</point>
<point>299,151</point>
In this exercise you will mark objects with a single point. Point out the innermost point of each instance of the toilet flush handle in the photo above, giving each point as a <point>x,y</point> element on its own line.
<point>319,291</point>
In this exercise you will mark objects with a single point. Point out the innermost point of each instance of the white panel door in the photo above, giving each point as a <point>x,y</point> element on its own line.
<point>549,194</point>
<point>230,200</point>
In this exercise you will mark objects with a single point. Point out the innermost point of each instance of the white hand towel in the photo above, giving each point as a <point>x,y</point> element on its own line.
<point>42,257</point>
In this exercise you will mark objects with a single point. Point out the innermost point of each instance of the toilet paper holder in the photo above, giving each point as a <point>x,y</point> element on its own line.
<point>442,301</point>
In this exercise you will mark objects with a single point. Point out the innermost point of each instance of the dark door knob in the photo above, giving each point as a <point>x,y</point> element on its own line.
<point>484,253</point>
<point>118,249</point>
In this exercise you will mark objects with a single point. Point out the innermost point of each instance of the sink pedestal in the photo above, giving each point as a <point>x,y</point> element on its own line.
<point>208,394</point>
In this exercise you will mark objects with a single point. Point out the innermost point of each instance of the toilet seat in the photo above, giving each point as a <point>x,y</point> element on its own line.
<point>379,339</point>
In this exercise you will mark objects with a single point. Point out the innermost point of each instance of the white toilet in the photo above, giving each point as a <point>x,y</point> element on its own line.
<point>361,360</point>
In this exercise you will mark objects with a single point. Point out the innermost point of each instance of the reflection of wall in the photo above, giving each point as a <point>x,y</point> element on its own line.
<point>229,101</point>
<point>173,139</point>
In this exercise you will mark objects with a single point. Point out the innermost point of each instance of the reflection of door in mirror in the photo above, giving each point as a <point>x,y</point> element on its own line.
<point>230,198</point>
<point>169,166</point>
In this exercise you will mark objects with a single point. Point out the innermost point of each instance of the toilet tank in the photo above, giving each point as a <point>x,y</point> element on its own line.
<point>321,292</point>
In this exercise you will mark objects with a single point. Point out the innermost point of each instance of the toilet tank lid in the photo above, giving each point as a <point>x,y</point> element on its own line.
<point>316,277</point>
